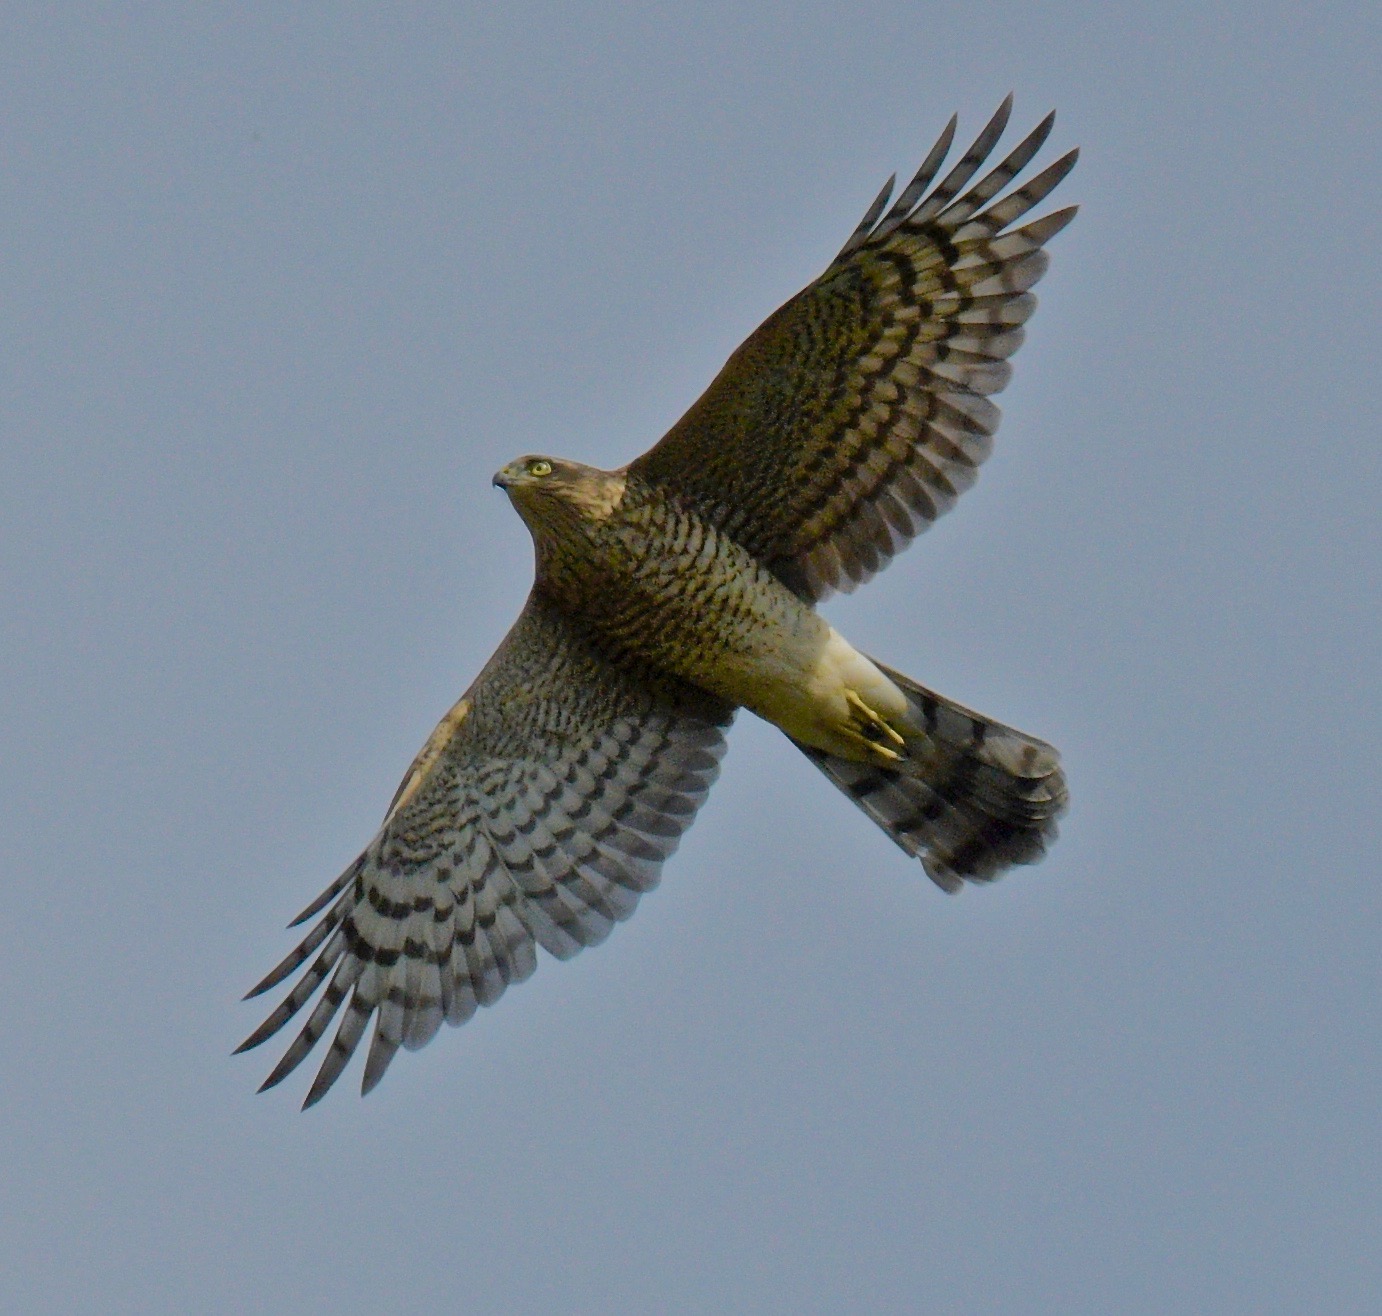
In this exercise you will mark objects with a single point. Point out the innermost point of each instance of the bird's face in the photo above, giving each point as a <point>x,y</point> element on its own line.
<point>525,473</point>
<point>544,487</point>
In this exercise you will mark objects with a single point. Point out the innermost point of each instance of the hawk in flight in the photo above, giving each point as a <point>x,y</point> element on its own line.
<point>682,587</point>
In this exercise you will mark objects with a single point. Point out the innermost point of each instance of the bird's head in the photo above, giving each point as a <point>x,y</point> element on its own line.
<point>547,490</point>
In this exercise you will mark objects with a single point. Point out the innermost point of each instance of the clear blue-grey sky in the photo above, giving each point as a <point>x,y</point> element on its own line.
<point>282,289</point>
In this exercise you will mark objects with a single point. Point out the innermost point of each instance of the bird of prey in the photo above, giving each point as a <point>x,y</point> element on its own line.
<point>682,587</point>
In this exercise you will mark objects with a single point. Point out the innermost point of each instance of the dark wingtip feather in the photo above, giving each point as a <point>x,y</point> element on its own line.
<point>1000,118</point>
<point>266,1030</point>
<point>1033,142</point>
<point>921,180</point>
<point>295,958</point>
<point>985,142</point>
<point>954,183</point>
<point>1044,229</point>
<point>1053,173</point>
<point>864,228</point>
<point>327,896</point>
<point>273,1080</point>
<point>276,975</point>
<point>881,200</point>
<point>289,1061</point>
<point>376,1065</point>
<point>321,1085</point>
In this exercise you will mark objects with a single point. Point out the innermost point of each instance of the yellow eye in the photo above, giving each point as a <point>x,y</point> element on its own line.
<point>539,467</point>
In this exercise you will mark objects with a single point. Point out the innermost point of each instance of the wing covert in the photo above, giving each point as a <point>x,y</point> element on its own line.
<point>859,411</point>
<point>538,813</point>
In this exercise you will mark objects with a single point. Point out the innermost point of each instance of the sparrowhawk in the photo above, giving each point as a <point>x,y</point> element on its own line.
<point>672,592</point>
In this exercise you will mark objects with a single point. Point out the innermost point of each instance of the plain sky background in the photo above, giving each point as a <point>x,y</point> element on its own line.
<point>282,289</point>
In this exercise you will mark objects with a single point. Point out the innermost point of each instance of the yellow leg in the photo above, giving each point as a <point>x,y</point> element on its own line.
<point>870,721</point>
<point>872,748</point>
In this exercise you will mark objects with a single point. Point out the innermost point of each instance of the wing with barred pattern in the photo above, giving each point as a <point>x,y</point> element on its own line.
<point>538,813</point>
<point>858,412</point>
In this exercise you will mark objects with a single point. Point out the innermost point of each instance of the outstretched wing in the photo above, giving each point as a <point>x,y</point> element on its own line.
<point>858,412</point>
<point>539,811</point>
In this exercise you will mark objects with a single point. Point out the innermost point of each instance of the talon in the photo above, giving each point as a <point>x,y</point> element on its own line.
<point>875,723</point>
<point>876,751</point>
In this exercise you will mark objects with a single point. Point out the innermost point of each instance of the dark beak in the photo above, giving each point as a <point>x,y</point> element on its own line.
<point>501,480</point>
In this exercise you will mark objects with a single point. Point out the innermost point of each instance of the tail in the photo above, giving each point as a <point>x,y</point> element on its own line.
<point>971,797</point>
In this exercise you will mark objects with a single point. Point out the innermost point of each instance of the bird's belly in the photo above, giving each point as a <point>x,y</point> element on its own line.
<point>692,602</point>
<point>813,690</point>
<point>775,656</point>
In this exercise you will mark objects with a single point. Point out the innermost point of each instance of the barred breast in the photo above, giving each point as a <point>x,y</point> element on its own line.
<point>681,595</point>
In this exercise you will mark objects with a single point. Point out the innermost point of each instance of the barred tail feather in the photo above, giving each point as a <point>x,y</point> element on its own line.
<point>972,797</point>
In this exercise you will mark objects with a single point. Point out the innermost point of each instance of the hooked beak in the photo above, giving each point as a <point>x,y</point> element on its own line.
<point>502,480</point>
